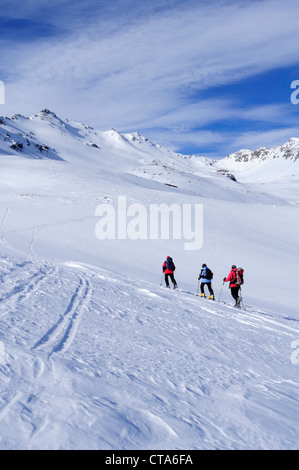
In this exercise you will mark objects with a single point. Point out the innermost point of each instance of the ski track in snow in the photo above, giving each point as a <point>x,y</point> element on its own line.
<point>35,367</point>
<point>23,289</point>
<point>3,222</point>
<point>35,232</point>
<point>68,323</point>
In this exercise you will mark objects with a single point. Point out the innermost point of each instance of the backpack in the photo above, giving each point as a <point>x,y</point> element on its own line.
<point>239,276</point>
<point>209,275</point>
<point>169,264</point>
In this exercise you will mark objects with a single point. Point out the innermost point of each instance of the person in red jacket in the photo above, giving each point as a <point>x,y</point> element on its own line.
<point>168,269</point>
<point>234,285</point>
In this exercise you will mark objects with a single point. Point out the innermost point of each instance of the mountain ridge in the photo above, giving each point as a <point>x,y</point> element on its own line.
<point>288,151</point>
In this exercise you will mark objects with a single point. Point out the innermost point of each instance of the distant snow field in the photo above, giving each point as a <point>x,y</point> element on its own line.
<point>94,352</point>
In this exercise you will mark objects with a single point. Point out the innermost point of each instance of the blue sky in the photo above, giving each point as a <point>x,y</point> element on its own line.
<point>203,77</point>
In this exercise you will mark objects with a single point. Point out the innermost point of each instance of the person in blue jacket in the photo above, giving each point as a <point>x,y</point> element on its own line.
<point>206,277</point>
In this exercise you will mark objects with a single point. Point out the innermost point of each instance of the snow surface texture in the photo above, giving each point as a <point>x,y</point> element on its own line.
<point>96,354</point>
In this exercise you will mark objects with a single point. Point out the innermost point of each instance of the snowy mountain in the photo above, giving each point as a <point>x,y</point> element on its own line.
<point>265,165</point>
<point>288,151</point>
<point>95,353</point>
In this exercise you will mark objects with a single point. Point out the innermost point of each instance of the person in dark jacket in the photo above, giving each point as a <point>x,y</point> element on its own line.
<point>206,280</point>
<point>234,286</point>
<point>168,269</point>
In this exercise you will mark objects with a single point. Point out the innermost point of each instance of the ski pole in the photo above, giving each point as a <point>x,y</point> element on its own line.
<point>241,299</point>
<point>197,288</point>
<point>221,291</point>
<point>161,280</point>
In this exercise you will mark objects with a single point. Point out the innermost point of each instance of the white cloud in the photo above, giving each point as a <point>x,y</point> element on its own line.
<point>258,139</point>
<point>143,76</point>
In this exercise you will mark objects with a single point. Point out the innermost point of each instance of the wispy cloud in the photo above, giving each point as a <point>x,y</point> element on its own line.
<point>145,71</point>
<point>258,139</point>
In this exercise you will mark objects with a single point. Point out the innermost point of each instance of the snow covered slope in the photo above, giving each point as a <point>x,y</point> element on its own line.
<point>97,360</point>
<point>97,354</point>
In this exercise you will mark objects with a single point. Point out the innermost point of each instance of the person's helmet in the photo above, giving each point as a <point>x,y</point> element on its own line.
<point>234,266</point>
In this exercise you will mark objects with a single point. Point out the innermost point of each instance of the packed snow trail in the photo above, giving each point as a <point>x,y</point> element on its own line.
<point>97,360</point>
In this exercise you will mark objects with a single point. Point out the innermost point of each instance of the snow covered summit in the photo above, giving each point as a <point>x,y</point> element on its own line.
<point>265,165</point>
<point>287,151</point>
